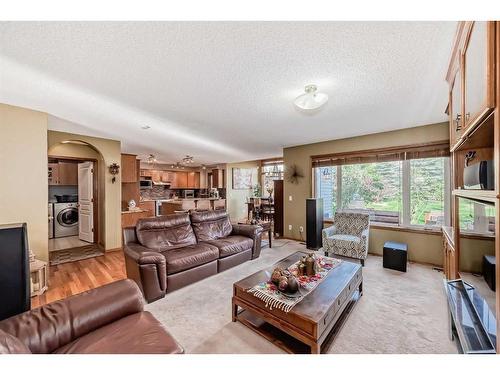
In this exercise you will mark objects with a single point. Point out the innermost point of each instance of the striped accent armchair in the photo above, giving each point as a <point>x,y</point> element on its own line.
<point>348,236</point>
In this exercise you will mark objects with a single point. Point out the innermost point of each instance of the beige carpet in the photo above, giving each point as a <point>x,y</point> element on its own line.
<point>398,312</point>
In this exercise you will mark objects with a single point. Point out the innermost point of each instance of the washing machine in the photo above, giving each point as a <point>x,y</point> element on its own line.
<point>65,219</point>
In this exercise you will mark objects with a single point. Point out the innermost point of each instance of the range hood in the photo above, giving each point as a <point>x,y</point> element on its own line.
<point>161,183</point>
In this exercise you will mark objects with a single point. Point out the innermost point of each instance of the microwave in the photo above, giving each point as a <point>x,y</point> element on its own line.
<point>146,184</point>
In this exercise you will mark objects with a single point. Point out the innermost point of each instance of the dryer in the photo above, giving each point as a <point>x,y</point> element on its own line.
<point>65,219</point>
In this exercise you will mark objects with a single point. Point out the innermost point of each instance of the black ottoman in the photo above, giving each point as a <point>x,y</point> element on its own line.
<point>395,256</point>
<point>489,263</point>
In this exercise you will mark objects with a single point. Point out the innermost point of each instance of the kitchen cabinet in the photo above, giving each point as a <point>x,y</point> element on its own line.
<point>455,108</point>
<point>479,72</point>
<point>148,206</point>
<point>68,173</point>
<point>218,178</point>
<point>53,173</point>
<point>129,168</point>
<point>471,78</point>
<point>193,180</point>
<point>129,218</point>
<point>181,180</point>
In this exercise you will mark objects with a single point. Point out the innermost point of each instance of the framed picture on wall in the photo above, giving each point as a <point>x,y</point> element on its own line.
<point>242,178</point>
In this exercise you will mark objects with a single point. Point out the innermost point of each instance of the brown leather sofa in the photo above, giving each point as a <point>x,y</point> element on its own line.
<point>165,253</point>
<point>106,320</point>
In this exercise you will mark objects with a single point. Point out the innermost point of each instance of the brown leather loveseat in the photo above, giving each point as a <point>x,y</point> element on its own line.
<point>165,253</point>
<point>106,320</point>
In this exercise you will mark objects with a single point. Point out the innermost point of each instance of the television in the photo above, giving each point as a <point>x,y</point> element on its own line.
<point>14,270</point>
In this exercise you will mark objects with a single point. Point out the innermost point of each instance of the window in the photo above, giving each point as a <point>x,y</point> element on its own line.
<point>404,192</point>
<point>326,185</point>
<point>427,191</point>
<point>271,172</point>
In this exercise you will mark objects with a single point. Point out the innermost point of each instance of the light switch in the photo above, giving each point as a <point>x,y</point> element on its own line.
<point>290,198</point>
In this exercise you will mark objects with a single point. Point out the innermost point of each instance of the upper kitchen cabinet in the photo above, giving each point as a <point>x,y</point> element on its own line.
<point>63,173</point>
<point>181,180</point>
<point>193,180</point>
<point>479,63</point>
<point>455,103</point>
<point>471,79</point>
<point>53,173</point>
<point>218,178</point>
<point>129,168</point>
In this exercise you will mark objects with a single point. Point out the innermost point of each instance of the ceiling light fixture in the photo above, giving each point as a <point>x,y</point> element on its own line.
<point>145,127</point>
<point>151,159</point>
<point>311,100</point>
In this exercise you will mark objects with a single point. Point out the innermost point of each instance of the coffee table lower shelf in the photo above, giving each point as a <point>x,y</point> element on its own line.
<point>285,341</point>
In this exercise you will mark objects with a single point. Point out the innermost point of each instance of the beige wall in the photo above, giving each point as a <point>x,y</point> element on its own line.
<point>87,152</point>
<point>23,167</point>
<point>422,247</point>
<point>235,199</point>
<point>110,152</point>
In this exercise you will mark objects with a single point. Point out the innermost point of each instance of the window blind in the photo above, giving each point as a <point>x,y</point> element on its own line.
<point>428,150</point>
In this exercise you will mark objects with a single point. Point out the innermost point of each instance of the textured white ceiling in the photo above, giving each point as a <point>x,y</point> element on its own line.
<point>223,91</point>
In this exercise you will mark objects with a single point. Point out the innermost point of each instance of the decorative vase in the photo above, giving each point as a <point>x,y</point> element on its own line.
<point>310,265</point>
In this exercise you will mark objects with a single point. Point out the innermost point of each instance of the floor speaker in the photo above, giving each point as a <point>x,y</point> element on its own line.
<point>314,223</point>
<point>14,270</point>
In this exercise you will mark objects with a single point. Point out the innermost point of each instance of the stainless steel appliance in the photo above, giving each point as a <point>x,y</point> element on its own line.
<point>65,219</point>
<point>146,184</point>
<point>188,193</point>
<point>214,193</point>
<point>51,220</point>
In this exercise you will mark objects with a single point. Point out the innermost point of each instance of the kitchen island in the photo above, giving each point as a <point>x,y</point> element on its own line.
<point>173,206</point>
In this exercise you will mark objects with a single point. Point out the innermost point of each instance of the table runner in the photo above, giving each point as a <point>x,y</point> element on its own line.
<point>268,292</point>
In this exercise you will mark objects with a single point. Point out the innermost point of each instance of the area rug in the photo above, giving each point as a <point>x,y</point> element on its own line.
<point>398,312</point>
<point>74,254</point>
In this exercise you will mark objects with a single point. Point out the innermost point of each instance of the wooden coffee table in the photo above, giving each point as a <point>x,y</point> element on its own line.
<point>311,324</point>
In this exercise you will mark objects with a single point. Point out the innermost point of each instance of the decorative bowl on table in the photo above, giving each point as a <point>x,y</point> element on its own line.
<point>284,281</point>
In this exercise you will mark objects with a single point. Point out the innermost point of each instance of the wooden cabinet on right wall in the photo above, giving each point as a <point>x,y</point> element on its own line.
<point>471,77</point>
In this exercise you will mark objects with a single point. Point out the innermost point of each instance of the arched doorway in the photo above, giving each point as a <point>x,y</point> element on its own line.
<point>76,196</point>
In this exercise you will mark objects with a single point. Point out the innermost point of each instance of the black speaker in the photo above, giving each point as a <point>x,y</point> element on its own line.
<point>314,223</point>
<point>14,270</point>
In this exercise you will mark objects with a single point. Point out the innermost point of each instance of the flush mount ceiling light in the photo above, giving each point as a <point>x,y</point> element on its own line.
<point>311,100</point>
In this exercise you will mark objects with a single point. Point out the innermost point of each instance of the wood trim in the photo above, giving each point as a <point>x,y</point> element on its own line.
<point>384,150</point>
<point>497,174</point>
<point>113,249</point>
<point>95,188</point>
<point>457,43</point>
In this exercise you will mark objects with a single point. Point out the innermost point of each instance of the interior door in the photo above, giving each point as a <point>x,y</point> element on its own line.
<point>86,201</point>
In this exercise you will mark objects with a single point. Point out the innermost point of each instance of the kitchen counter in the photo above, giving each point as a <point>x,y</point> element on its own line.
<point>186,204</point>
<point>134,211</point>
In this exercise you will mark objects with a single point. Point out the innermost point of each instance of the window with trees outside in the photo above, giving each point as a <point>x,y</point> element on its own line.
<point>411,192</point>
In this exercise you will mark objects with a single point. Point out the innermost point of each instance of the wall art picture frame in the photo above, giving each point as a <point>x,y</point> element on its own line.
<point>242,178</point>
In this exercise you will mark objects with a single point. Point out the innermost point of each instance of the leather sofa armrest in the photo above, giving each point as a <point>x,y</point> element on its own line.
<point>56,324</point>
<point>148,269</point>
<point>252,231</point>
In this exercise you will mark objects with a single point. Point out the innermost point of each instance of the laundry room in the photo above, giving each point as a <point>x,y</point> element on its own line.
<point>73,203</point>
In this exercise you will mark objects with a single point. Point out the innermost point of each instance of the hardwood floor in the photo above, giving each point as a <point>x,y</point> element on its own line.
<point>72,278</point>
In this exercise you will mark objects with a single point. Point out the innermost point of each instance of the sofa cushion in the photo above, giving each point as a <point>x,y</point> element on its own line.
<point>138,333</point>
<point>211,225</point>
<point>165,232</point>
<point>12,345</point>
<point>187,257</point>
<point>232,245</point>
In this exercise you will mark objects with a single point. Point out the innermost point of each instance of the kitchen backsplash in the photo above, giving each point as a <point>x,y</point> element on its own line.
<point>160,192</point>
<point>157,192</point>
